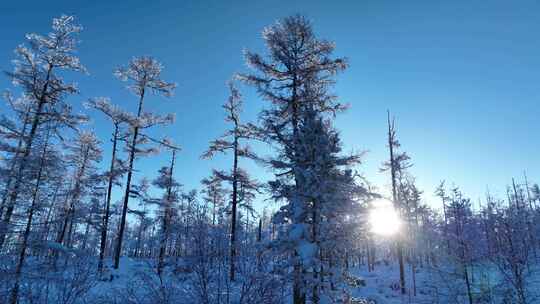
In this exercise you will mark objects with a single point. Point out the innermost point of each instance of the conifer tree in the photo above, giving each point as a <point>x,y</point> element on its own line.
<point>295,78</point>
<point>144,77</point>
<point>318,209</point>
<point>397,163</point>
<point>231,141</point>
<point>167,205</point>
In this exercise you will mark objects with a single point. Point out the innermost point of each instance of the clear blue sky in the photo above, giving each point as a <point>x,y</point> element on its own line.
<point>462,77</point>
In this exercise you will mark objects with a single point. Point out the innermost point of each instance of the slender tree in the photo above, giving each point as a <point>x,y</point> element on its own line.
<point>460,210</point>
<point>396,164</point>
<point>440,192</point>
<point>230,141</point>
<point>144,75</point>
<point>166,182</point>
<point>297,72</point>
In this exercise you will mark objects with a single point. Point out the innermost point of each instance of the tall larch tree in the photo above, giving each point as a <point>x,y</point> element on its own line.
<point>144,77</point>
<point>231,141</point>
<point>297,72</point>
<point>397,163</point>
<point>167,206</point>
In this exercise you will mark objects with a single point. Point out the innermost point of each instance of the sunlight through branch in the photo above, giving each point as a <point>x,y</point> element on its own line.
<point>383,218</point>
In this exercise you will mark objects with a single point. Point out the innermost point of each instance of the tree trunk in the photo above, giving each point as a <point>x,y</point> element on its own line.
<point>233,215</point>
<point>46,227</point>
<point>105,220</point>
<point>165,223</point>
<point>120,237</point>
<point>399,243</point>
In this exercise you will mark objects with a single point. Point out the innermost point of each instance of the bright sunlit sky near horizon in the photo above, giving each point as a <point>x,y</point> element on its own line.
<point>462,77</point>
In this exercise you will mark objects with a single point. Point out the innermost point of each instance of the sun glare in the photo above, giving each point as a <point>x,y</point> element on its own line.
<point>384,219</point>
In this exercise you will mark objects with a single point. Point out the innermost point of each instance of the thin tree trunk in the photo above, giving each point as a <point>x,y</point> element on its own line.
<point>368,256</point>
<point>234,202</point>
<point>105,220</point>
<point>165,223</point>
<point>445,227</point>
<point>120,237</point>
<point>459,233</point>
<point>259,240</point>
<point>70,230</point>
<point>467,282</point>
<point>299,296</point>
<point>49,213</point>
<point>530,227</point>
<point>315,239</point>
<point>399,243</point>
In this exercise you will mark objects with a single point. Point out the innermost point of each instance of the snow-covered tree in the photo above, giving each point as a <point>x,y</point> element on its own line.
<point>144,77</point>
<point>38,72</point>
<point>515,250</point>
<point>459,216</point>
<point>167,206</point>
<point>84,154</point>
<point>317,209</point>
<point>214,194</point>
<point>295,78</point>
<point>231,141</point>
<point>13,131</point>
<point>397,163</point>
<point>32,210</point>
<point>116,169</point>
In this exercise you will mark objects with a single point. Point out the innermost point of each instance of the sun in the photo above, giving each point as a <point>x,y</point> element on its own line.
<point>384,219</point>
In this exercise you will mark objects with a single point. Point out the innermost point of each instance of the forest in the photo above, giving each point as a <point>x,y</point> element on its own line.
<point>78,225</point>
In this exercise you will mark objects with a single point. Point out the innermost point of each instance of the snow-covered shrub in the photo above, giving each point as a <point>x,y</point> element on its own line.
<point>44,285</point>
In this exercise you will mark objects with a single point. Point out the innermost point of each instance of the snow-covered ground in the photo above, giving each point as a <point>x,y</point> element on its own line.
<point>136,282</point>
<point>440,285</point>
